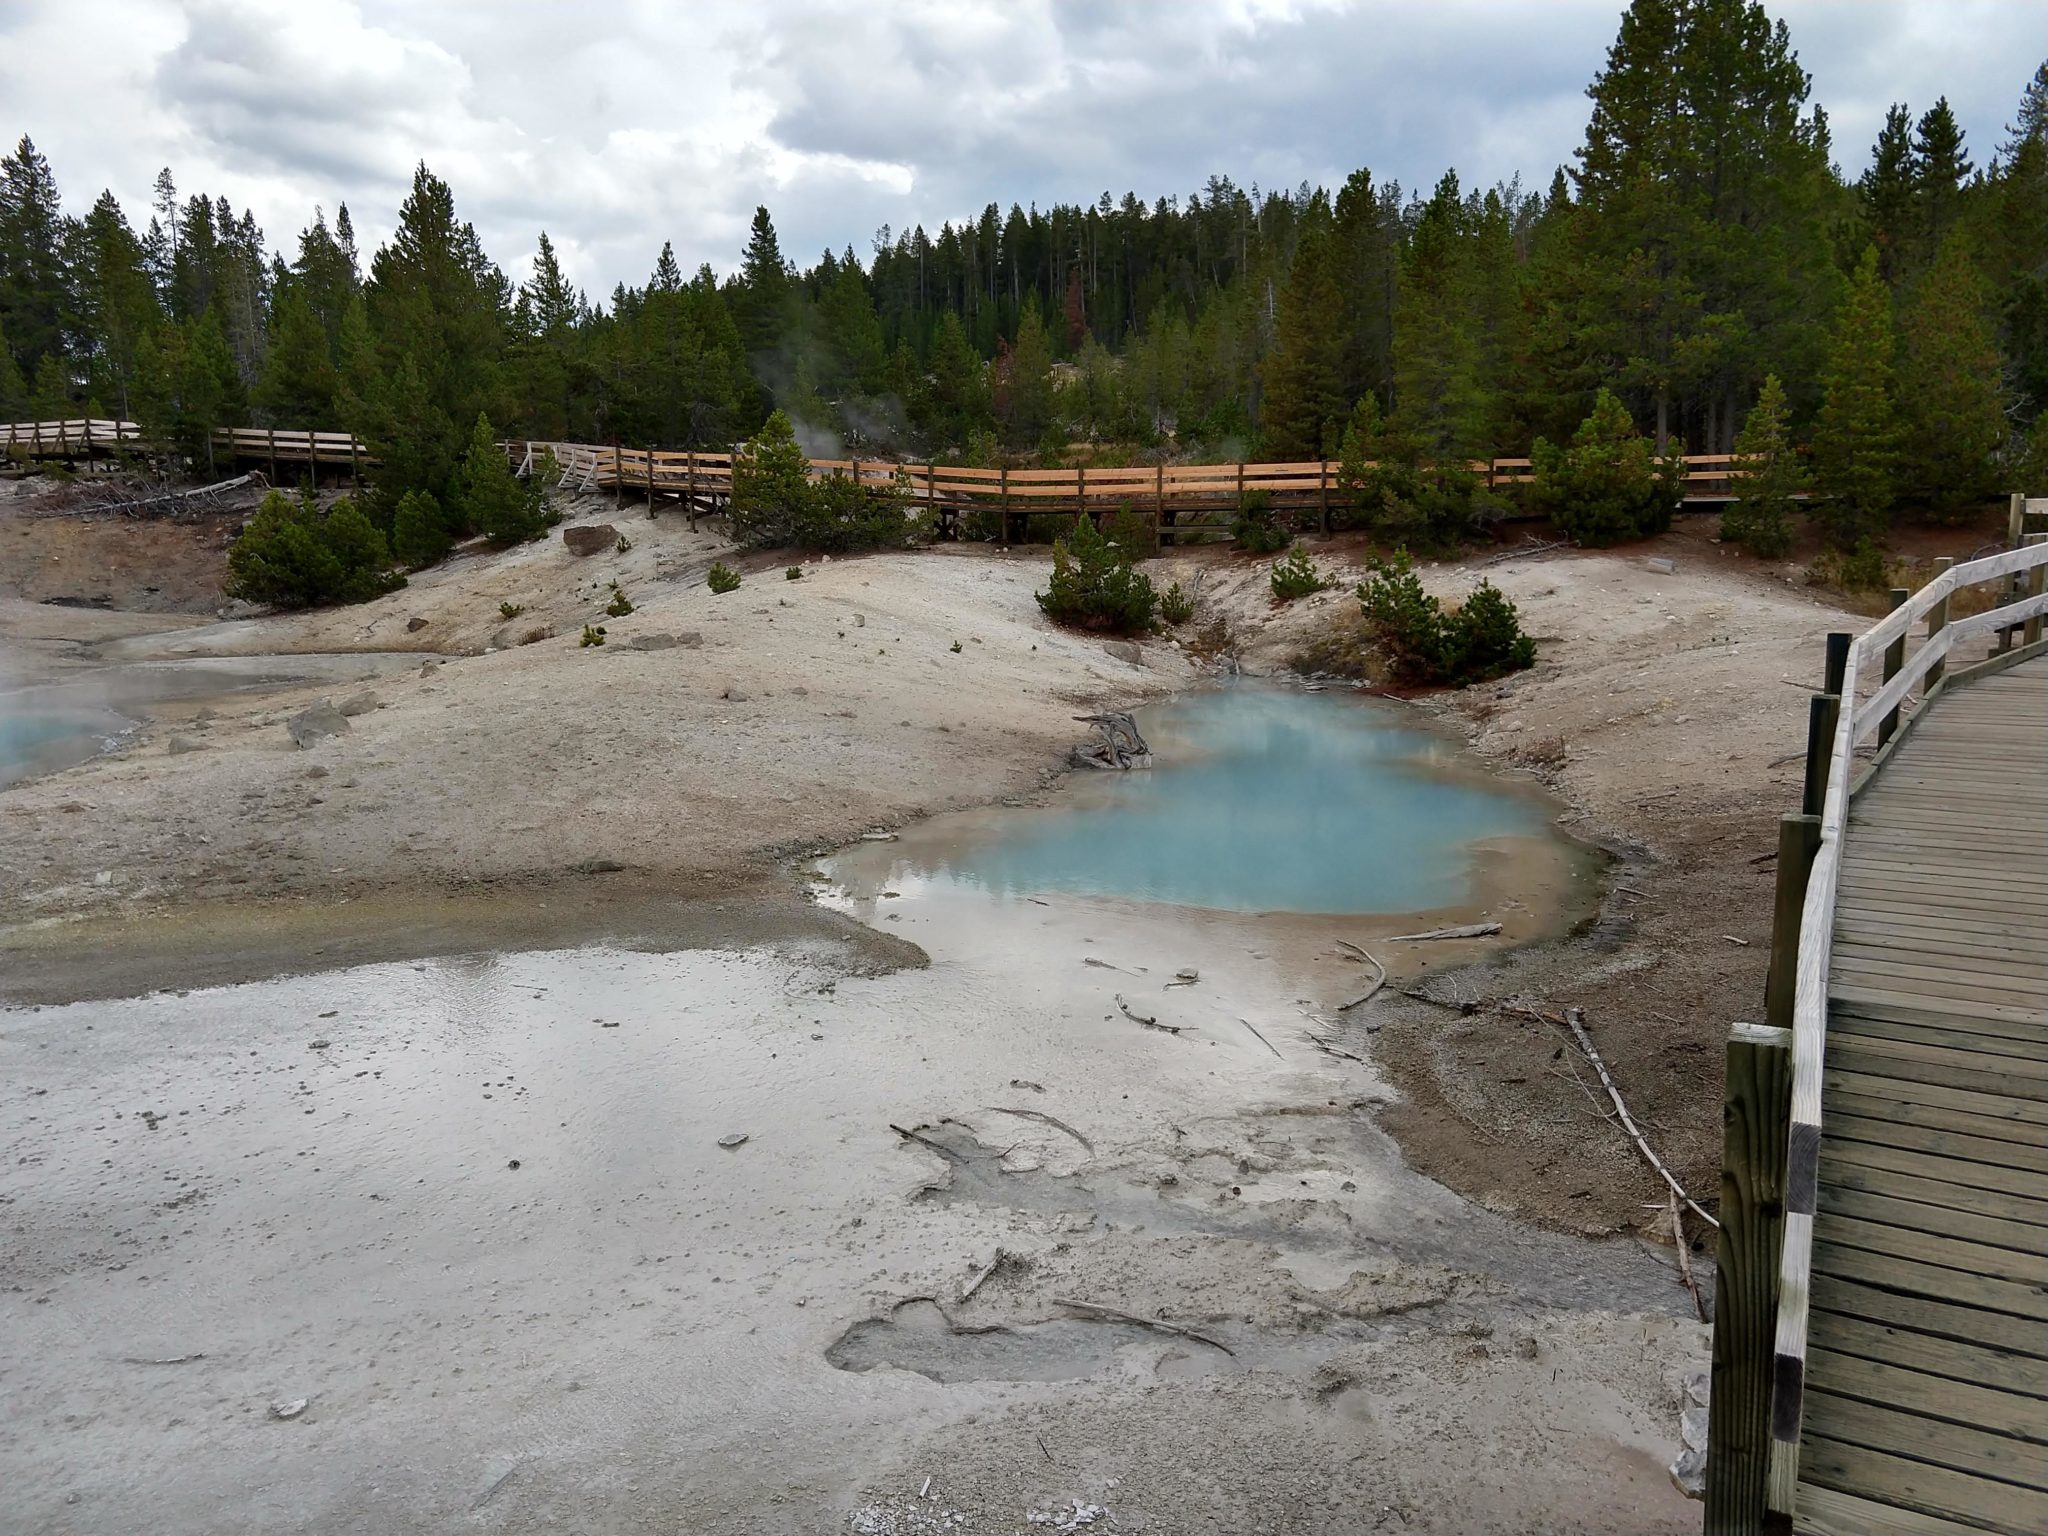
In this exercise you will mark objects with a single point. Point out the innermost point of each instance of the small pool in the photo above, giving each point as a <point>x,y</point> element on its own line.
<point>1263,800</point>
<point>41,741</point>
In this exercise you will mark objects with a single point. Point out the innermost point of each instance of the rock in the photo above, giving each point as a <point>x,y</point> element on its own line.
<point>736,1139</point>
<point>359,703</point>
<point>1659,563</point>
<point>690,639</point>
<point>322,720</point>
<point>429,668</point>
<point>1126,650</point>
<point>592,540</point>
<point>179,744</point>
<point>735,696</point>
<point>654,642</point>
<point>290,1410</point>
<point>415,624</point>
<point>316,772</point>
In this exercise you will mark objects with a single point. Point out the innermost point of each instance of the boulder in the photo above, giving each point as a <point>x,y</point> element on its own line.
<point>690,639</point>
<point>359,703</point>
<point>1126,650</point>
<point>322,720</point>
<point>654,642</point>
<point>415,624</point>
<point>593,539</point>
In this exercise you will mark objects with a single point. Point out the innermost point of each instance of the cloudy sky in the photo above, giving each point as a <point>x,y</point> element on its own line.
<point>616,124</point>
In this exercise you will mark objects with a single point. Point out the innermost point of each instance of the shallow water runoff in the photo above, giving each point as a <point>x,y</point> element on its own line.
<point>1263,800</point>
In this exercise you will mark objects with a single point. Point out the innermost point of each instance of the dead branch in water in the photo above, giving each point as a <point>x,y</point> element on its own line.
<point>1139,1018</point>
<point>1269,1045</point>
<point>1056,1124</point>
<point>982,1279</point>
<point>939,1147</point>
<point>1576,1019</point>
<point>1699,1305</point>
<point>1115,1314</point>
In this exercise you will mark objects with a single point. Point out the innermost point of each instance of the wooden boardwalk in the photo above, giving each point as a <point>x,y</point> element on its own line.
<point>1927,1343</point>
<point>1881,1316</point>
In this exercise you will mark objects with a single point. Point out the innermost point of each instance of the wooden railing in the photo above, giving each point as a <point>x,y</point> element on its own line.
<point>1872,692</point>
<point>1161,491</point>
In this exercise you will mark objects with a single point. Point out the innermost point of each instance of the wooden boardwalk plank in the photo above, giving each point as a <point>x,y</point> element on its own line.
<point>1848,1332</point>
<point>1992,1506</point>
<point>1933,1218</point>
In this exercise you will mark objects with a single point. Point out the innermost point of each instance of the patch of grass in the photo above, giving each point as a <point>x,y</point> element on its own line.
<point>538,632</point>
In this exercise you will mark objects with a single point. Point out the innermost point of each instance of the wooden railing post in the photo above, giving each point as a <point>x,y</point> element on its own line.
<point>1081,490</point>
<point>650,480</point>
<point>1003,484</point>
<point>2015,527</point>
<point>1323,494</point>
<point>355,473</point>
<point>1798,845</point>
<point>693,489</point>
<point>270,436</point>
<point>1755,1116</point>
<point>2037,583</point>
<point>1894,658</point>
<point>618,477</point>
<point>1159,506</point>
<point>1937,621</point>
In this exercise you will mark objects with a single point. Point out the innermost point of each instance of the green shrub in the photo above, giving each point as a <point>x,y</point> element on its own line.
<point>794,573</point>
<point>722,578</point>
<point>1425,645</point>
<point>623,545</point>
<point>592,635</point>
<point>1094,585</point>
<point>497,503</point>
<point>293,556</point>
<point>619,606</point>
<point>510,610</point>
<point>1767,476</point>
<point>776,504</point>
<point>1133,533</point>
<point>1397,492</point>
<point>419,531</point>
<point>1255,530</point>
<point>1295,575</point>
<point>1175,606</point>
<point>1864,568</point>
<point>1607,486</point>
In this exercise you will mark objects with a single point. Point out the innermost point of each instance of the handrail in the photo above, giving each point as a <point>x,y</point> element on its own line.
<point>1854,725</point>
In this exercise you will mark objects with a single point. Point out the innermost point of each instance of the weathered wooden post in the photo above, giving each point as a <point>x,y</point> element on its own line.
<point>1081,491</point>
<point>2015,529</point>
<point>1159,505</point>
<point>270,436</point>
<point>1894,658</point>
<point>1799,838</point>
<point>1937,621</point>
<point>2037,583</point>
<point>1755,1117</point>
<point>693,489</point>
<point>650,480</point>
<point>1003,484</point>
<point>1323,494</point>
<point>618,478</point>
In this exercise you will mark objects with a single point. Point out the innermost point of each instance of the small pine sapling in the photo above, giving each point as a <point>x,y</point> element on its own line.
<point>722,578</point>
<point>592,635</point>
<point>510,610</point>
<point>620,605</point>
<point>1175,606</point>
<point>1296,575</point>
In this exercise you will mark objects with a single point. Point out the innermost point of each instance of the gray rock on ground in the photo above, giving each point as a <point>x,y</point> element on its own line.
<point>1126,650</point>
<point>654,642</point>
<point>359,703</point>
<point>180,744</point>
<point>592,540</point>
<point>321,721</point>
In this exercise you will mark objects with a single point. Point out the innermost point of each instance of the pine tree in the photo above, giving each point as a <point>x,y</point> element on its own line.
<point>419,531</point>
<point>1303,397</point>
<point>13,387</point>
<point>33,236</point>
<point>1027,403</point>
<point>299,381</point>
<point>1940,172</point>
<point>771,486</point>
<point>1889,193</point>
<point>1768,477</point>
<point>1856,436</point>
<point>494,502</point>
<point>1440,400</point>
<point>116,300</point>
<point>761,298</point>
<point>1950,392</point>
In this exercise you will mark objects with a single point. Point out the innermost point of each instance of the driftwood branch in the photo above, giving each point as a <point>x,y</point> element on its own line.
<point>1461,931</point>
<point>925,1141</point>
<point>1699,1304</point>
<point>1533,547</point>
<point>1120,745</point>
<point>174,502</point>
<point>1117,1314</point>
<point>994,1264</point>
<point>1056,1123</point>
<point>1576,1018</point>
<point>1139,1018</point>
<point>1371,991</point>
<point>1269,1045</point>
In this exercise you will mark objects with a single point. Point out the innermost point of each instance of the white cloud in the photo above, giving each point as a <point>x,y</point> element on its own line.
<point>622,123</point>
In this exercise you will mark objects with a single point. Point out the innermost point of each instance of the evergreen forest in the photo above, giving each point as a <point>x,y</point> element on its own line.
<point>1702,269</point>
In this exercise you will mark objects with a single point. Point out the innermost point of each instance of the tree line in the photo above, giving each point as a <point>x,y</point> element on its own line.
<point>1702,274</point>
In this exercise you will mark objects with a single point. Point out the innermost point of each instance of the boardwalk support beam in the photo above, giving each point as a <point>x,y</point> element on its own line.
<point>1754,1116</point>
